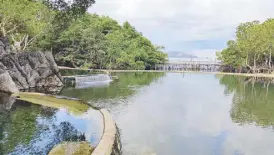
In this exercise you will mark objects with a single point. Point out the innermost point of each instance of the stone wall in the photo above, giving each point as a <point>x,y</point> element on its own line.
<point>117,146</point>
<point>110,143</point>
<point>27,69</point>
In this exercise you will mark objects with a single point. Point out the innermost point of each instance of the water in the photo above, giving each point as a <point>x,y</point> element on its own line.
<point>27,128</point>
<point>70,72</point>
<point>177,114</point>
<point>97,80</point>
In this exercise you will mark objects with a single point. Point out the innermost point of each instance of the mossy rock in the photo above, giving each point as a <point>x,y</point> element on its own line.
<point>72,148</point>
<point>76,107</point>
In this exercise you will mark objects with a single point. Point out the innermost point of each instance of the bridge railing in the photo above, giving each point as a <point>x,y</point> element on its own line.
<point>194,62</point>
<point>208,66</point>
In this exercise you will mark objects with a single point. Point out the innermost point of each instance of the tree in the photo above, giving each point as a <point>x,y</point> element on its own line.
<point>23,21</point>
<point>252,48</point>
<point>65,14</point>
<point>83,44</point>
<point>94,41</point>
<point>77,38</point>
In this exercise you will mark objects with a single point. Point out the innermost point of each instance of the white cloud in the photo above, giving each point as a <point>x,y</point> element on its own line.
<point>206,53</point>
<point>172,22</point>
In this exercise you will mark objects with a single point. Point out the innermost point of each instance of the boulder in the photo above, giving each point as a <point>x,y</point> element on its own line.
<point>6,83</point>
<point>28,69</point>
<point>6,101</point>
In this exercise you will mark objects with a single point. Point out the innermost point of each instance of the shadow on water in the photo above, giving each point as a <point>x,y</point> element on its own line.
<point>27,128</point>
<point>253,100</point>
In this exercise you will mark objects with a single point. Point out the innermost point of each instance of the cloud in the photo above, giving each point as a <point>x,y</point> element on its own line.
<point>209,54</point>
<point>174,23</point>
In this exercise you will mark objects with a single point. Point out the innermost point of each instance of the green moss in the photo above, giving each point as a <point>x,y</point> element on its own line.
<point>72,148</point>
<point>76,107</point>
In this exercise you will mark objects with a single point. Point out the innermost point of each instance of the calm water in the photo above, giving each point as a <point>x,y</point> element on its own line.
<point>27,128</point>
<point>179,114</point>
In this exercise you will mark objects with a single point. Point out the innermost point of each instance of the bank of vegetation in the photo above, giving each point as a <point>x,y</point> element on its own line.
<point>253,49</point>
<point>76,38</point>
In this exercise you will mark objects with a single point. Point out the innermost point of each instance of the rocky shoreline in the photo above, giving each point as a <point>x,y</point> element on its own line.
<point>21,71</point>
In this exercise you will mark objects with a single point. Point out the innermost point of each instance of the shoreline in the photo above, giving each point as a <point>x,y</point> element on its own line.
<point>108,143</point>
<point>161,71</point>
<point>217,73</point>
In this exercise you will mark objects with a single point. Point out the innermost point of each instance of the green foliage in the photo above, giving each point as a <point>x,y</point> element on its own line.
<point>231,55</point>
<point>23,21</point>
<point>76,38</point>
<point>252,48</point>
<point>100,42</point>
<point>65,13</point>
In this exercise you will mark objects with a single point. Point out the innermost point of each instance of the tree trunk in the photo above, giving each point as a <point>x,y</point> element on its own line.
<point>266,61</point>
<point>269,62</point>
<point>3,31</point>
<point>73,64</point>
<point>254,64</point>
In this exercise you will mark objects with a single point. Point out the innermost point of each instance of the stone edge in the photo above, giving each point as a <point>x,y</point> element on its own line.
<point>107,141</point>
<point>105,146</point>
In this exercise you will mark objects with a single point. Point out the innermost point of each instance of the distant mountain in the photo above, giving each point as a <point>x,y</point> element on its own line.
<point>175,54</point>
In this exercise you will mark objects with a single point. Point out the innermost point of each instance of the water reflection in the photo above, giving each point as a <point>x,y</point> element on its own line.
<point>72,72</point>
<point>33,129</point>
<point>98,80</point>
<point>124,87</point>
<point>253,102</point>
<point>200,114</point>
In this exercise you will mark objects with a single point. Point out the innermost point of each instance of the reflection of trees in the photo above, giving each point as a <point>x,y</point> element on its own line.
<point>253,102</point>
<point>55,135</point>
<point>71,72</point>
<point>18,125</point>
<point>66,132</point>
<point>22,132</point>
<point>121,88</point>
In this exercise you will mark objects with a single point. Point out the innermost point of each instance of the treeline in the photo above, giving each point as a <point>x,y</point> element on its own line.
<point>76,38</point>
<point>252,50</point>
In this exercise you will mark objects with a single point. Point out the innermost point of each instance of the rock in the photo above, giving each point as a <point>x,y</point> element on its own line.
<point>2,49</point>
<point>72,148</point>
<point>6,83</point>
<point>29,69</point>
<point>6,101</point>
<point>4,46</point>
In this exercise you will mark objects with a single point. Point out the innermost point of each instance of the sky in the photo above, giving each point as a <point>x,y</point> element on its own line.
<point>198,27</point>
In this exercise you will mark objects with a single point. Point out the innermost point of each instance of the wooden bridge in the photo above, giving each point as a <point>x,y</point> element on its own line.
<point>204,66</point>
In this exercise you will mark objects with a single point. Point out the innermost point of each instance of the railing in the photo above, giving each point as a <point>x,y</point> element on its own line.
<point>194,62</point>
<point>205,66</point>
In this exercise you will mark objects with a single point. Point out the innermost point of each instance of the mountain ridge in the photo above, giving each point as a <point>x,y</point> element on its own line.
<point>177,54</point>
